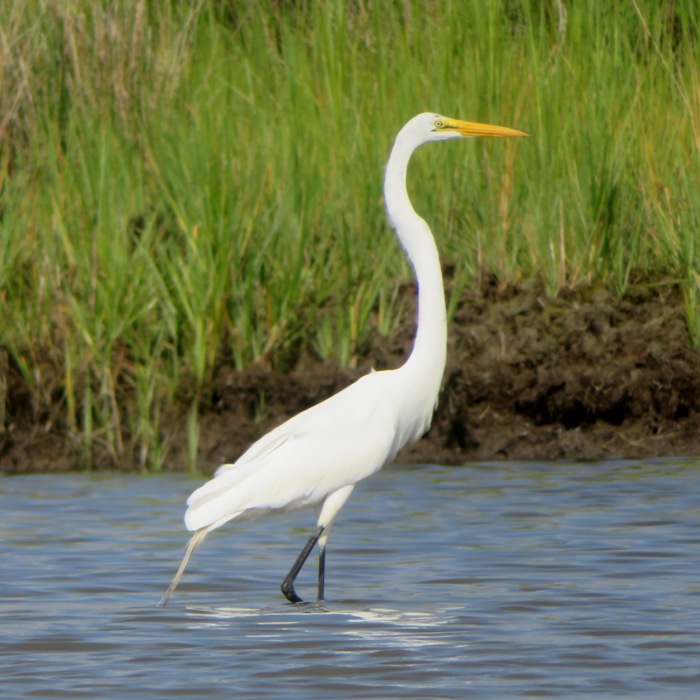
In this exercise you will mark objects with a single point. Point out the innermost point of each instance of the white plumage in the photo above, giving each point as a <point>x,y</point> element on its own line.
<point>319,455</point>
<point>289,465</point>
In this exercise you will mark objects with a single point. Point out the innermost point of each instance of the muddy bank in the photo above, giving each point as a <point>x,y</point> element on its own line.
<point>584,376</point>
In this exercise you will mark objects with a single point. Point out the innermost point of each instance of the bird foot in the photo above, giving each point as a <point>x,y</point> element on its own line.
<point>290,593</point>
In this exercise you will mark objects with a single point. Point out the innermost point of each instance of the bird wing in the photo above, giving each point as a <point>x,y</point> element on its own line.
<point>335,443</point>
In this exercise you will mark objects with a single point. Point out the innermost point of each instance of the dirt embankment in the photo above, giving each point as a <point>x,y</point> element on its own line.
<point>584,376</point>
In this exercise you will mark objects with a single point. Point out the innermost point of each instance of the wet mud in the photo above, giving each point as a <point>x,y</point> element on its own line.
<point>585,376</point>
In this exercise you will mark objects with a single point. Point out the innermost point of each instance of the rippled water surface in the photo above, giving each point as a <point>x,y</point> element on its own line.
<point>485,581</point>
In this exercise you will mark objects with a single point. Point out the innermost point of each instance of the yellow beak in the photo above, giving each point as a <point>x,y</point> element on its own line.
<point>475,129</point>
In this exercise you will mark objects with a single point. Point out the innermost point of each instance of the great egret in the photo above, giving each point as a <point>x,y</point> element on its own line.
<point>319,455</point>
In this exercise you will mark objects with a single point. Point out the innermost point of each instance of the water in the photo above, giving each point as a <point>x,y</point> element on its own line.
<point>490,581</point>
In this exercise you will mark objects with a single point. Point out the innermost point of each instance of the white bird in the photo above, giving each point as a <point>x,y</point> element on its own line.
<point>319,455</point>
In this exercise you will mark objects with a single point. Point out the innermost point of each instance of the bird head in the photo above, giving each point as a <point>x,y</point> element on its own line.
<point>435,127</point>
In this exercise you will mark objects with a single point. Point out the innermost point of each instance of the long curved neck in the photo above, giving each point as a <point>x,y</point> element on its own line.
<point>427,360</point>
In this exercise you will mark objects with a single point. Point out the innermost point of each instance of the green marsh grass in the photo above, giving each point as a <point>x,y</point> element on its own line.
<point>189,184</point>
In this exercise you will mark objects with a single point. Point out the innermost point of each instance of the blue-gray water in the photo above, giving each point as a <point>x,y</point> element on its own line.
<point>488,581</point>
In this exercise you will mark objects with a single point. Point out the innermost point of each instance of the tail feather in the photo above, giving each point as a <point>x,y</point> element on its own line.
<point>194,541</point>
<point>220,500</point>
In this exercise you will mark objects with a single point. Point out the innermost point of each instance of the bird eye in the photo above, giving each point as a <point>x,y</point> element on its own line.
<point>438,124</point>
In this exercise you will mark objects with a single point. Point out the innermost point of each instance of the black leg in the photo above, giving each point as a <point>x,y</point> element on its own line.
<point>321,571</point>
<point>288,583</point>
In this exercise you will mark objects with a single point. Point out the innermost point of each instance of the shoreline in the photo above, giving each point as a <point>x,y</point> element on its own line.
<point>585,376</point>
